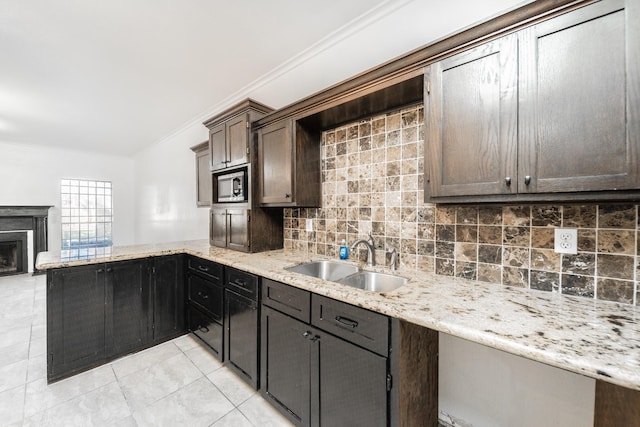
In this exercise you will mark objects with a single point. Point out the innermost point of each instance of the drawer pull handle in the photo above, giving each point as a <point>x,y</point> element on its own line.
<point>241,283</point>
<point>346,322</point>
<point>201,268</point>
<point>203,296</point>
<point>203,329</point>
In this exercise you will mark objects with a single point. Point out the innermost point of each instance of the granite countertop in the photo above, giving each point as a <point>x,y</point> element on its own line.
<point>598,339</point>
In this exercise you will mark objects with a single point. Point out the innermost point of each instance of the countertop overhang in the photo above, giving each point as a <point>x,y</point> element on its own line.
<point>598,339</point>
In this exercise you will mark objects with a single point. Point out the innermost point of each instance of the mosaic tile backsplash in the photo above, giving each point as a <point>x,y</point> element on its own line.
<point>372,182</point>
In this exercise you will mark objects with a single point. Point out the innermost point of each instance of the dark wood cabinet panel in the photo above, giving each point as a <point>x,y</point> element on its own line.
<point>578,95</point>
<point>246,230</point>
<point>208,330</point>
<point>275,154</point>
<point>217,147</point>
<point>229,134</point>
<point>207,295</point>
<point>241,336</point>
<point>316,378</point>
<point>286,365</point>
<point>238,237</point>
<point>288,165</point>
<point>218,227</point>
<point>75,319</point>
<point>554,116</point>
<point>203,174</point>
<point>237,140</point>
<point>128,315</point>
<point>229,228</point>
<point>351,383</point>
<point>168,297</point>
<point>471,112</point>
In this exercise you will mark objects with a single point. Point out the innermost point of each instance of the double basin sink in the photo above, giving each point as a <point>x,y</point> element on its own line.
<point>349,275</point>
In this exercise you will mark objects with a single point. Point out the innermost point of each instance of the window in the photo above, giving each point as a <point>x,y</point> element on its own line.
<point>86,214</point>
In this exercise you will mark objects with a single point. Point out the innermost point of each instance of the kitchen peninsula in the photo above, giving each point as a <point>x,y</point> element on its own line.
<point>598,339</point>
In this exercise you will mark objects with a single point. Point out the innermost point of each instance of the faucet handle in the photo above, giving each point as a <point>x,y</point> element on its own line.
<point>371,241</point>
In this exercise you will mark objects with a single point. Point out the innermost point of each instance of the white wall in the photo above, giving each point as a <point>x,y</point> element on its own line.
<point>165,177</point>
<point>31,175</point>
<point>484,387</point>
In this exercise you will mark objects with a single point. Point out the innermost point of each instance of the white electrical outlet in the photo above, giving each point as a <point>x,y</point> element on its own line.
<point>566,241</point>
<point>309,224</point>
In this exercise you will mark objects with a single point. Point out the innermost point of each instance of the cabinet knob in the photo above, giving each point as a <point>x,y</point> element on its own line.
<point>527,180</point>
<point>507,181</point>
<point>287,195</point>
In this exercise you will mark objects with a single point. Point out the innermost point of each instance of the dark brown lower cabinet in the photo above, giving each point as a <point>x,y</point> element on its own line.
<point>168,297</point>
<point>75,319</point>
<point>128,317</point>
<point>205,296</point>
<point>286,365</point>
<point>241,324</point>
<point>349,384</point>
<point>205,328</point>
<point>98,312</point>
<point>314,377</point>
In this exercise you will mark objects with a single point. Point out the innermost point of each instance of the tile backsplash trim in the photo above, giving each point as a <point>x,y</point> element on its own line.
<point>372,181</point>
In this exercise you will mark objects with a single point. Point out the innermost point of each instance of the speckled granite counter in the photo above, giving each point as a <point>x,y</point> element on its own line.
<point>594,338</point>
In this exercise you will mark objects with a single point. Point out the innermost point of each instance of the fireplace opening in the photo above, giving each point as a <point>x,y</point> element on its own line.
<point>13,253</point>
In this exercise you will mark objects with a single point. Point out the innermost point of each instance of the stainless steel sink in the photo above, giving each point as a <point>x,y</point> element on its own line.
<point>372,281</point>
<point>324,269</point>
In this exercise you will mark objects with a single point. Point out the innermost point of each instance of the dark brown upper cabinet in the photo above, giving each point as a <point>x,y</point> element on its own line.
<point>230,134</point>
<point>550,112</point>
<point>471,107</point>
<point>246,230</point>
<point>203,175</point>
<point>288,165</point>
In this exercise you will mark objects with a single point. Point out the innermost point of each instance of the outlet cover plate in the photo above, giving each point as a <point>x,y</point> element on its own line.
<point>566,241</point>
<point>309,224</point>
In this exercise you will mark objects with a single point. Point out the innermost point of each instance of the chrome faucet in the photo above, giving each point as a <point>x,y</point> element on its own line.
<point>371,249</point>
<point>393,263</point>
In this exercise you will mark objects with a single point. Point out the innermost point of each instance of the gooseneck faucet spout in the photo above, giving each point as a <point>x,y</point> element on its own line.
<point>371,252</point>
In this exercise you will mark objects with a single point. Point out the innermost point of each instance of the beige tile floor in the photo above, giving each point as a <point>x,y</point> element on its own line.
<point>178,383</point>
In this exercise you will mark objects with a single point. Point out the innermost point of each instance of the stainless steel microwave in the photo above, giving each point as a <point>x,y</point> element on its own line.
<point>232,187</point>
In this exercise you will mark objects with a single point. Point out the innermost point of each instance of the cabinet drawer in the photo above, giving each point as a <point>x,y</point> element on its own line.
<point>207,268</point>
<point>243,283</point>
<point>357,325</point>
<point>287,299</point>
<point>207,295</point>
<point>205,328</point>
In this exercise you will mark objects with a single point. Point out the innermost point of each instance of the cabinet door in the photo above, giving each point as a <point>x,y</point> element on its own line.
<point>275,158</point>
<point>208,295</point>
<point>237,229</point>
<point>75,319</point>
<point>168,297</point>
<point>237,140</point>
<point>218,228</point>
<point>241,336</point>
<point>580,100</point>
<point>208,330</point>
<point>127,322</point>
<point>350,384</point>
<point>286,362</point>
<point>471,121</point>
<point>217,148</point>
<point>203,176</point>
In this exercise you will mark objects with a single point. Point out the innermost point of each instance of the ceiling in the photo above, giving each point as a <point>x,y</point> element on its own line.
<point>116,76</point>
